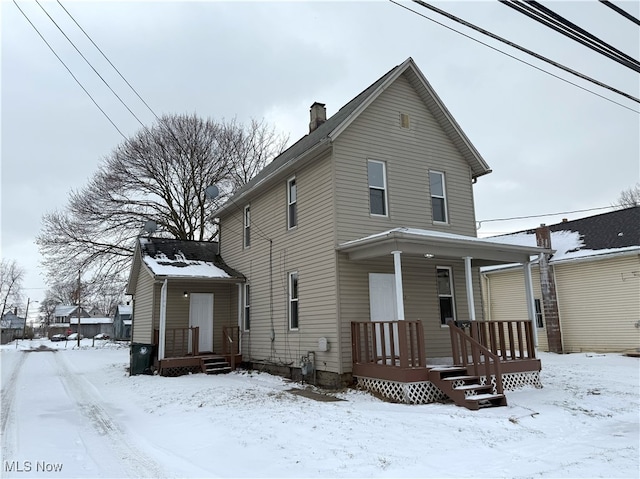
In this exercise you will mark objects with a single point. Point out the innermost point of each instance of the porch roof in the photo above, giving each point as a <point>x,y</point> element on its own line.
<point>413,241</point>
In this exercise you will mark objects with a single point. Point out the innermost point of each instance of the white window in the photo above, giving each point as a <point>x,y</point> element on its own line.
<point>247,307</point>
<point>377,188</point>
<point>293,300</point>
<point>539,319</point>
<point>438,197</point>
<point>445,294</point>
<point>247,226</point>
<point>292,203</point>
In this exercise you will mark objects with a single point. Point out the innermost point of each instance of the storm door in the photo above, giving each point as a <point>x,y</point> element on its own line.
<point>383,307</point>
<point>201,315</point>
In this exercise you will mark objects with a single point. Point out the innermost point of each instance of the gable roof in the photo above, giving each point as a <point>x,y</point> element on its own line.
<point>613,233</point>
<point>63,310</point>
<point>172,258</point>
<point>325,133</point>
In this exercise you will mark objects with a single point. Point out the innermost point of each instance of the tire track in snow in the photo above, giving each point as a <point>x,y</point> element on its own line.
<point>7,396</point>
<point>135,461</point>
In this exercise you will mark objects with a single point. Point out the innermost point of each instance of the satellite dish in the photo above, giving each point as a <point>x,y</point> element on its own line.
<point>150,226</point>
<point>211,192</point>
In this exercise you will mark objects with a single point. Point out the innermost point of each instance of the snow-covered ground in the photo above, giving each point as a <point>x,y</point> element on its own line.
<point>77,413</point>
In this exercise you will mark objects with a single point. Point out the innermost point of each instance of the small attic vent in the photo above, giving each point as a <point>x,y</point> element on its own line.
<point>404,120</point>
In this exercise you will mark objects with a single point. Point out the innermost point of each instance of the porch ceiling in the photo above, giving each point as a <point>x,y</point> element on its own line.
<point>485,252</point>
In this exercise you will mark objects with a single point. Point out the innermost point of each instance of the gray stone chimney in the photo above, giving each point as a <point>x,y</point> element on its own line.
<point>318,115</point>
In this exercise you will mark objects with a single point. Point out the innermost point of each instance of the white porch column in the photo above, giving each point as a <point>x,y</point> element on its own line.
<point>240,314</point>
<point>163,320</point>
<point>399,293</point>
<point>469,279</point>
<point>531,308</point>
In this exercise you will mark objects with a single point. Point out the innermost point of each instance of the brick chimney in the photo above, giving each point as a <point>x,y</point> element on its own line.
<point>548,290</point>
<point>318,115</point>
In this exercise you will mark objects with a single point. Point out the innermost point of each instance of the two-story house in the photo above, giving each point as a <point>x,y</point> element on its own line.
<point>358,251</point>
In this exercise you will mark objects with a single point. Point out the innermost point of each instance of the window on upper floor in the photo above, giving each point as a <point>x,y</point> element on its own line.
<point>438,197</point>
<point>292,203</point>
<point>247,307</point>
<point>293,300</point>
<point>377,187</point>
<point>247,226</point>
<point>444,276</point>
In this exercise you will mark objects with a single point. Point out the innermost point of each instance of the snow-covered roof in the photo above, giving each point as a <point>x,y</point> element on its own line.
<point>126,322</point>
<point>95,320</point>
<point>595,237</point>
<point>64,310</point>
<point>163,266</point>
<point>125,309</point>
<point>438,244</point>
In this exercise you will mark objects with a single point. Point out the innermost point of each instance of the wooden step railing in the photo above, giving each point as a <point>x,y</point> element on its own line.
<point>231,344</point>
<point>476,358</point>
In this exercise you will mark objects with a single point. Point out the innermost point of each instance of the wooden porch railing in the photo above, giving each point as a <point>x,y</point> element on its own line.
<point>478,360</point>
<point>180,342</point>
<point>510,340</point>
<point>388,349</point>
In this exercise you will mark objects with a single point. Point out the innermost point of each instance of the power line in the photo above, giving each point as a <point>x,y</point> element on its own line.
<point>541,216</point>
<point>90,65</point>
<point>70,72</point>
<point>107,59</point>
<point>619,10</point>
<point>550,19</point>
<point>485,32</point>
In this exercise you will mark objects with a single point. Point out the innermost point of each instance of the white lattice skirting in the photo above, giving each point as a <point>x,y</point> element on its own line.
<point>425,392</point>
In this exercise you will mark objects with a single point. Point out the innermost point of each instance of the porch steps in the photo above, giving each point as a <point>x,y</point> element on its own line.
<point>465,390</point>
<point>215,365</point>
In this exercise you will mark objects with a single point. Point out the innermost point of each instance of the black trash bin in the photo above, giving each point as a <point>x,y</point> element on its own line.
<point>141,358</point>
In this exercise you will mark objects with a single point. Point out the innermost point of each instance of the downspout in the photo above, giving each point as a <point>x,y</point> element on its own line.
<point>531,308</point>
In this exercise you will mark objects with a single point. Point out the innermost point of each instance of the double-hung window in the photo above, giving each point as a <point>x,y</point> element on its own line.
<point>438,197</point>
<point>377,187</point>
<point>247,226</point>
<point>292,203</point>
<point>247,308</point>
<point>539,319</point>
<point>445,294</point>
<point>293,300</point>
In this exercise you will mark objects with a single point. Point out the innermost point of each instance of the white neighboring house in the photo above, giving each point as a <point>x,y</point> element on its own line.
<point>596,270</point>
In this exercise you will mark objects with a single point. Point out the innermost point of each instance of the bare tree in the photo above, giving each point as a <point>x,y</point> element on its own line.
<point>11,276</point>
<point>159,174</point>
<point>629,197</point>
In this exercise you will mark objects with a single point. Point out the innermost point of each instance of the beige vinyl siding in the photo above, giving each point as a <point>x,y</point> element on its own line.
<point>409,154</point>
<point>142,330</point>
<point>504,298</point>
<point>308,249</point>
<point>420,298</point>
<point>599,304</point>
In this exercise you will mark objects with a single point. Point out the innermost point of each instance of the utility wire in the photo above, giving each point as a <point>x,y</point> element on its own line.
<point>619,10</point>
<point>536,55</point>
<point>550,19</point>
<point>90,65</point>
<point>70,72</point>
<point>109,61</point>
<point>541,216</point>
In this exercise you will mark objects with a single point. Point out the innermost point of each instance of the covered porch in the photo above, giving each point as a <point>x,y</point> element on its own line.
<point>198,326</point>
<point>391,355</point>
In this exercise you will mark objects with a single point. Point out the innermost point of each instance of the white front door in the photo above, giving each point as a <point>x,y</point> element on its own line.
<point>201,315</point>
<point>383,307</point>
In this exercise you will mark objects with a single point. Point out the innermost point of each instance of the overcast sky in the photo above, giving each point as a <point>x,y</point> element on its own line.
<point>552,146</point>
